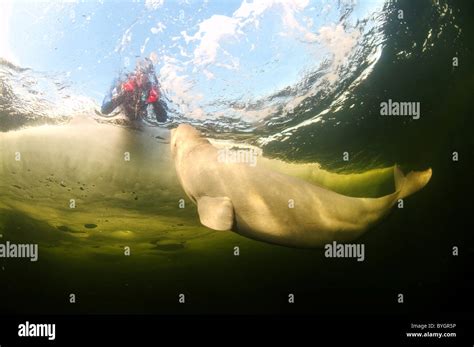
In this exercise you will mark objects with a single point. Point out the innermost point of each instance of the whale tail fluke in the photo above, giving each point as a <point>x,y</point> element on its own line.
<point>408,184</point>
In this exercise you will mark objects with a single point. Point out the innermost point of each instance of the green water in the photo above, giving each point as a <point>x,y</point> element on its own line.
<point>135,204</point>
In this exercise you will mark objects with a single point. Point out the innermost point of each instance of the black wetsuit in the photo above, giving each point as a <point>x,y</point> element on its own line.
<point>134,99</point>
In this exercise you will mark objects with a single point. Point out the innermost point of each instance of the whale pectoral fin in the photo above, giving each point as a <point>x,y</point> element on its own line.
<point>216,213</point>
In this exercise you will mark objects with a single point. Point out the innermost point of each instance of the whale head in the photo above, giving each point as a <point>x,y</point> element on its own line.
<point>183,139</point>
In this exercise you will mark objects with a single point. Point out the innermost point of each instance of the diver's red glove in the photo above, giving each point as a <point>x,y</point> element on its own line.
<point>128,86</point>
<point>153,96</point>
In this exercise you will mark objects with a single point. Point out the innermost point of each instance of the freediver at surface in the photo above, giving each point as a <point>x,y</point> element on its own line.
<point>135,93</point>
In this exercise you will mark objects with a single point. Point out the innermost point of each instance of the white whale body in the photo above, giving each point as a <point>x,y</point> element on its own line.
<point>267,205</point>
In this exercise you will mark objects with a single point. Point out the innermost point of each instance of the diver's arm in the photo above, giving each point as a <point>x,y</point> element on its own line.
<point>107,106</point>
<point>111,103</point>
<point>160,111</point>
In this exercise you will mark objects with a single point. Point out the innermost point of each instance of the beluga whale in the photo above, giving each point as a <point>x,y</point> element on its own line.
<point>268,205</point>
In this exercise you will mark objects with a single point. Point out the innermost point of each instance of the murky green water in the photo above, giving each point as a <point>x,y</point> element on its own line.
<point>135,204</point>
